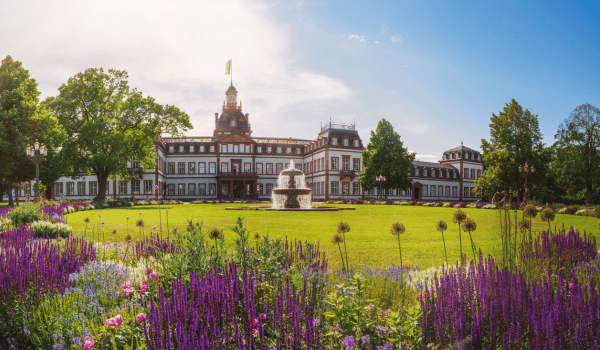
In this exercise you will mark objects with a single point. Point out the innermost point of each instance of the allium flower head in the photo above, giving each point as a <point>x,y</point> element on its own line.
<point>86,220</point>
<point>524,224</point>
<point>337,239</point>
<point>139,223</point>
<point>256,236</point>
<point>397,228</point>
<point>547,214</point>
<point>469,225</point>
<point>343,227</point>
<point>215,233</point>
<point>459,216</point>
<point>530,211</point>
<point>441,225</point>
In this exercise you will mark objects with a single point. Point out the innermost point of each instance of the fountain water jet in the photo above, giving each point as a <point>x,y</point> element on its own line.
<point>291,191</point>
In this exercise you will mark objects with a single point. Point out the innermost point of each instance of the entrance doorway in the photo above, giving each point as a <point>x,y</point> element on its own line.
<point>417,193</point>
<point>237,189</point>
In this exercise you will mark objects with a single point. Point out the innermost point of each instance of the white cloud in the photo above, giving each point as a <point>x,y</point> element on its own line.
<point>175,52</point>
<point>397,39</point>
<point>357,37</point>
<point>376,42</point>
<point>384,27</point>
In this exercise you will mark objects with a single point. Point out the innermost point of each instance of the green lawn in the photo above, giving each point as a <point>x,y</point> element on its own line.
<point>369,240</point>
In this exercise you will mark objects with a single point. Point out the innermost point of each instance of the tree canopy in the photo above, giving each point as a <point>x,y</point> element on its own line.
<point>22,121</point>
<point>107,124</point>
<point>515,140</point>
<point>577,161</point>
<point>385,155</point>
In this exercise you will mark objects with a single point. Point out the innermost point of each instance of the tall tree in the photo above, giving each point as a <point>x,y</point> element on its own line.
<point>515,140</point>
<point>22,121</point>
<point>385,155</point>
<point>577,151</point>
<point>107,124</point>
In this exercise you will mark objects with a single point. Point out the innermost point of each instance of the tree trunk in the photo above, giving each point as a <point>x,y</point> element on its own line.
<point>102,177</point>
<point>10,197</point>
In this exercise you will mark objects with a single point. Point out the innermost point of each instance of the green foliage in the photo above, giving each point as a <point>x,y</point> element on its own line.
<point>385,155</point>
<point>28,212</point>
<point>515,140</point>
<point>348,305</point>
<point>107,123</point>
<point>22,121</point>
<point>577,157</point>
<point>350,312</point>
<point>49,229</point>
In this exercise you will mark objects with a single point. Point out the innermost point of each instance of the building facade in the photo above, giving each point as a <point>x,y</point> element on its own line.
<point>235,165</point>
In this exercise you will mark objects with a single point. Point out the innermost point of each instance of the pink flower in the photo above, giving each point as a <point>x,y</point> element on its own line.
<point>149,269</point>
<point>570,285</point>
<point>127,284</point>
<point>145,284</point>
<point>255,331</point>
<point>128,291</point>
<point>262,316</point>
<point>142,291</point>
<point>114,321</point>
<point>88,342</point>
<point>255,322</point>
<point>140,317</point>
<point>154,276</point>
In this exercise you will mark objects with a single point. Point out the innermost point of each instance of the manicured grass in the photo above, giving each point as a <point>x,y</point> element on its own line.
<point>369,240</point>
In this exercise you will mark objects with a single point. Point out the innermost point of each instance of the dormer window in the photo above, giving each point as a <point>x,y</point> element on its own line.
<point>180,148</point>
<point>334,141</point>
<point>345,141</point>
<point>171,149</point>
<point>233,122</point>
<point>192,148</point>
<point>356,143</point>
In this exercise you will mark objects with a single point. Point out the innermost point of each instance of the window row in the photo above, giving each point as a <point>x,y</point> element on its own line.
<point>435,173</point>
<point>472,173</point>
<point>345,141</point>
<point>439,191</point>
<point>190,189</point>
<point>91,189</point>
<point>191,149</point>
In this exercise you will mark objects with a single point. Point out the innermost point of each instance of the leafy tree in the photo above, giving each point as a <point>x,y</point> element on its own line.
<point>385,155</point>
<point>577,161</point>
<point>107,124</point>
<point>22,121</point>
<point>515,140</point>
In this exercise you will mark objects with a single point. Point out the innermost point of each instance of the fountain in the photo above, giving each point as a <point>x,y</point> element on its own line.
<point>291,194</point>
<point>291,191</point>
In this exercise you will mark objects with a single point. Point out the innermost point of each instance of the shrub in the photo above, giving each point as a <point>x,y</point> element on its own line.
<point>25,213</point>
<point>42,229</point>
<point>568,210</point>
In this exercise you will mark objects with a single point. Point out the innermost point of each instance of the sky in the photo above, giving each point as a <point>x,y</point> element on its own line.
<point>436,70</point>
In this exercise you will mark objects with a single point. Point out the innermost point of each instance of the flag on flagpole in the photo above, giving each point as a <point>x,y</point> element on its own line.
<point>228,68</point>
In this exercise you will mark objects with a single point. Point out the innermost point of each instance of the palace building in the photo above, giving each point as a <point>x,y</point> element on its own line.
<point>233,164</point>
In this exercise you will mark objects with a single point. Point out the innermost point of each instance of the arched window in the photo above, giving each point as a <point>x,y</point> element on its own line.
<point>233,122</point>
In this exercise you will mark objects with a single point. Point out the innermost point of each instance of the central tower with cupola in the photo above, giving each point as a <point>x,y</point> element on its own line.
<point>232,119</point>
